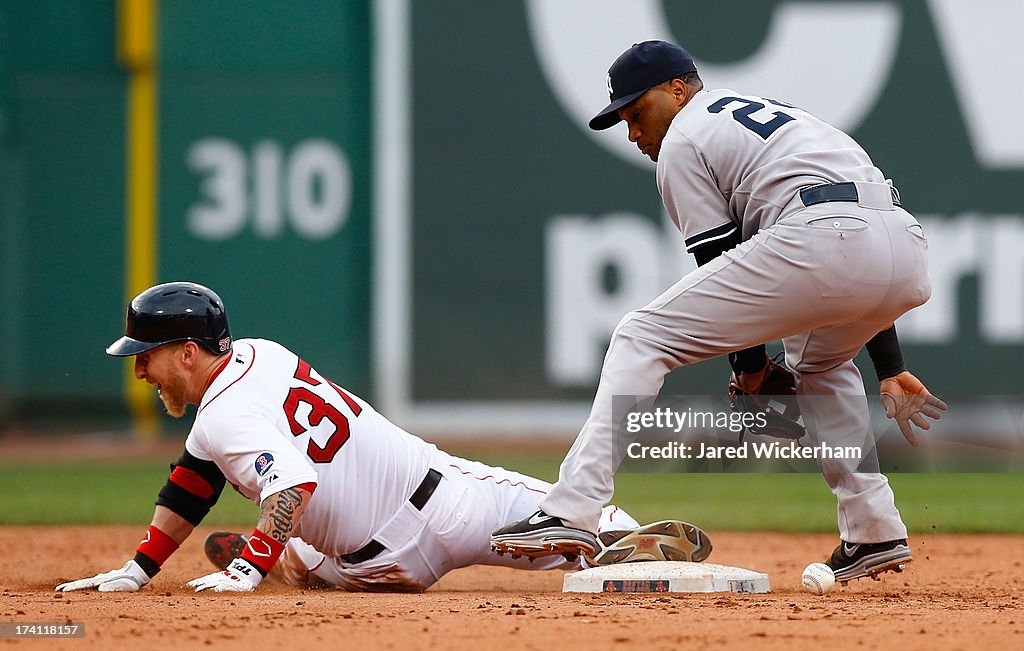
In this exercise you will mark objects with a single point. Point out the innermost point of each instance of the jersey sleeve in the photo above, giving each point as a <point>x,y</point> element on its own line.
<point>251,452</point>
<point>691,195</point>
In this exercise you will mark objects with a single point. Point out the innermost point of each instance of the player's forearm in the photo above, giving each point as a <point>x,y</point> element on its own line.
<point>886,356</point>
<point>280,513</point>
<point>172,524</point>
<point>163,537</point>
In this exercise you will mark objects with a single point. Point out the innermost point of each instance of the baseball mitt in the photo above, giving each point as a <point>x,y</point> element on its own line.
<point>775,400</point>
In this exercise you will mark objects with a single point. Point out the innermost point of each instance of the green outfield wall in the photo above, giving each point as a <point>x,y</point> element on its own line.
<point>531,236</point>
<point>407,194</point>
<point>262,189</point>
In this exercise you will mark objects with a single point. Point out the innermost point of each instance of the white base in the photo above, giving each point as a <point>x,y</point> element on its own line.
<point>666,576</point>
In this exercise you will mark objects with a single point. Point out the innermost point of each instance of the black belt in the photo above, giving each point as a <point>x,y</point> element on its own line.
<point>836,192</point>
<point>419,499</point>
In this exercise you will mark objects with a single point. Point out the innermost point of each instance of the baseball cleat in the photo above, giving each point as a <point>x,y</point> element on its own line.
<point>542,535</point>
<point>858,560</point>
<point>222,547</point>
<point>669,540</point>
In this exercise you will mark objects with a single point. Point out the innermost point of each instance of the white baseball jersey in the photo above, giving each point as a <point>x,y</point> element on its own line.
<point>270,422</point>
<point>732,161</point>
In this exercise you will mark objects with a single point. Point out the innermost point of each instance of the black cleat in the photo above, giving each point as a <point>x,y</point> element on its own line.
<point>858,560</point>
<point>542,535</point>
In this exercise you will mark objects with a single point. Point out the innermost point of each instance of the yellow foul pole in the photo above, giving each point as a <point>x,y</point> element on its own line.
<point>137,51</point>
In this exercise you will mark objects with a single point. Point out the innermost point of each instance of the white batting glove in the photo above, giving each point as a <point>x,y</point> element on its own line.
<point>129,578</point>
<point>238,576</point>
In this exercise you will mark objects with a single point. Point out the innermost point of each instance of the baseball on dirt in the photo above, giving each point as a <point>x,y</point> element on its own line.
<point>818,578</point>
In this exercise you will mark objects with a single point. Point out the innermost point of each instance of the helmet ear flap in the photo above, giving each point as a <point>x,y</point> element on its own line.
<point>178,311</point>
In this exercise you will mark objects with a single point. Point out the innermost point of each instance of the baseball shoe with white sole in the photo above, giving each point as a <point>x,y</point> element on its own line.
<point>542,535</point>
<point>668,540</point>
<point>857,560</point>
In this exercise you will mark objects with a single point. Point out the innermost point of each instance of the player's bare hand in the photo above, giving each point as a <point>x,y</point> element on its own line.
<point>908,401</point>
<point>236,577</point>
<point>129,578</point>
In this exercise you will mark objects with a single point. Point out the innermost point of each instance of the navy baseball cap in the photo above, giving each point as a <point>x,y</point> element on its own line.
<point>638,69</point>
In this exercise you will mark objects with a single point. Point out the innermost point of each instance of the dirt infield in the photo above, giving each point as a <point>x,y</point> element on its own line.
<point>961,592</point>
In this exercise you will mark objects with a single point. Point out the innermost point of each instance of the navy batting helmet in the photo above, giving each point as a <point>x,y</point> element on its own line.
<point>179,311</point>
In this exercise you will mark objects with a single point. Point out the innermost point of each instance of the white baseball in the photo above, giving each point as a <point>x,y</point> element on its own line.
<point>818,578</point>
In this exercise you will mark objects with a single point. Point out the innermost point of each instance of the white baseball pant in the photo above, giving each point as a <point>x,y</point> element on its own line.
<point>453,530</point>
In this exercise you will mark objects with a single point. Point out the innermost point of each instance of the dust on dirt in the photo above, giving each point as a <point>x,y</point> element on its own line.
<point>960,592</point>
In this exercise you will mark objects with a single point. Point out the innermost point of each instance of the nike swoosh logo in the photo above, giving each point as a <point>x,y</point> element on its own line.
<point>537,520</point>
<point>849,549</point>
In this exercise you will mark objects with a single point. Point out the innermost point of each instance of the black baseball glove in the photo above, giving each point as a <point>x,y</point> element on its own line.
<point>772,407</point>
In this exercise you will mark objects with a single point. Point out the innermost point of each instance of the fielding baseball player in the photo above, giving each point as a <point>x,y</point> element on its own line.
<point>347,499</point>
<point>798,237</point>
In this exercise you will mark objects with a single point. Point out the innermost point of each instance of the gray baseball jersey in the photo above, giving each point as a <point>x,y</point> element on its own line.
<point>737,161</point>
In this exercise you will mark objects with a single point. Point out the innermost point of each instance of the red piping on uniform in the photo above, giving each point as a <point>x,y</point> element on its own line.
<point>518,483</point>
<point>251,364</point>
<point>216,372</point>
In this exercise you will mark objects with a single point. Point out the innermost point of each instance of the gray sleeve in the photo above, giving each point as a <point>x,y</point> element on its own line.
<point>691,194</point>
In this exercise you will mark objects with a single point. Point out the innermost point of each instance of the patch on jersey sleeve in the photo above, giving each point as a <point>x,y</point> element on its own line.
<point>263,463</point>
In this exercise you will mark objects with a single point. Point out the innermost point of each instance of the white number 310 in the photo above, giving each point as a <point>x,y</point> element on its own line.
<point>310,187</point>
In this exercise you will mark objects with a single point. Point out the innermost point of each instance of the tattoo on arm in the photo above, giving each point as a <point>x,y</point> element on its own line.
<point>280,512</point>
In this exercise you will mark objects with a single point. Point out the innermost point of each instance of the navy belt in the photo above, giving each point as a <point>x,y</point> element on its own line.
<point>836,192</point>
<point>419,499</point>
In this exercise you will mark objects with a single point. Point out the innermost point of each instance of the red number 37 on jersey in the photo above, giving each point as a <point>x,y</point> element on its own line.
<point>320,410</point>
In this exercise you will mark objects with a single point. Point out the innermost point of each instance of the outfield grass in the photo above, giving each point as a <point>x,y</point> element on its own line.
<point>123,493</point>
<point>108,492</point>
<point>802,502</point>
